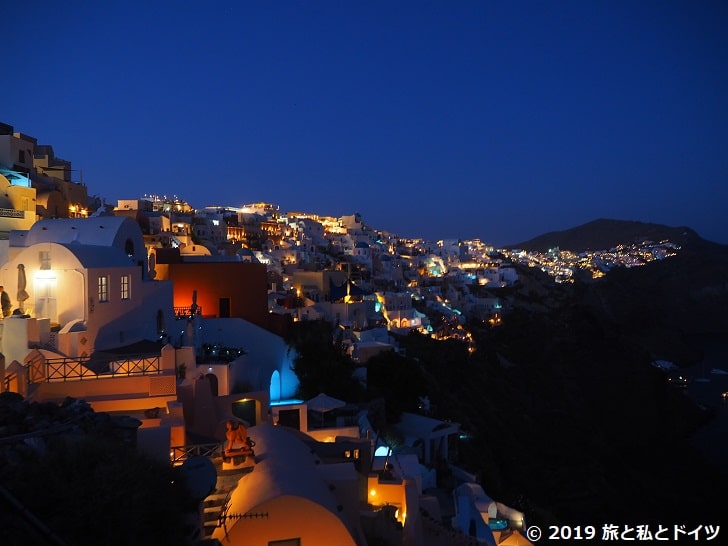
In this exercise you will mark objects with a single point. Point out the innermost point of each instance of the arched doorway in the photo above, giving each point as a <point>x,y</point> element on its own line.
<point>212,378</point>
<point>275,386</point>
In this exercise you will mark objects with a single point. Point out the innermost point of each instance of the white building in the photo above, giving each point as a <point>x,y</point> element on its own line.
<point>89,279</point>
<point>298,499</point>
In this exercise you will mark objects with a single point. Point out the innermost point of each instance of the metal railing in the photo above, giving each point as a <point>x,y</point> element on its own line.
<point>49,370</point>
<point>7,381</point>
<point>188,311</point>
<point>178,454</point>
<point>12,213</point>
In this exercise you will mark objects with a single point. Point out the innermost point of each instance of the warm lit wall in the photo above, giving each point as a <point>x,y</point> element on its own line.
<point>329,435</point>
<point>245,284</point>
<point>52,204</point>
<point>74,192</point>
<point>67,282</point>
<point>17,198</point>
<point>114,394</point>
<point>381,493</point>
<point>74,296</point>
<point>320,279</point>
<point>289,517</point>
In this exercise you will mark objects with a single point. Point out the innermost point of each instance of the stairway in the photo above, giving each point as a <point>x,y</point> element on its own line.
<point>214,504</point>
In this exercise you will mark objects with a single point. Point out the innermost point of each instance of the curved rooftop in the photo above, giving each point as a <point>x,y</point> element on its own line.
<point>285,468</point>
<point>119,232</point>
<point>98,231</point>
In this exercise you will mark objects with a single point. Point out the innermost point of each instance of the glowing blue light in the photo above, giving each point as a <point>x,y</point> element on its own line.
<point>288,402</point>
<point>15,178</point>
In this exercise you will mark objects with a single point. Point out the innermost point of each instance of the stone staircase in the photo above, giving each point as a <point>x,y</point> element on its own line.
<point>214,504</point>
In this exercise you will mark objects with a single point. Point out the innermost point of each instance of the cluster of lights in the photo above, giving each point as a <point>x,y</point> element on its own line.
<point>76,211</point>
<point>561,264</point>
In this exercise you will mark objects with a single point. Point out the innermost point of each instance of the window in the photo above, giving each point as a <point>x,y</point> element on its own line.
<point>103,289</point>
<point>21,156</point>
<point>125,287</point>
<point>45,259</point>
<point>351,454</point>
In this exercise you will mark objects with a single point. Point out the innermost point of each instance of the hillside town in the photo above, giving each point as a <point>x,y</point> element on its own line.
<point>175,318</point>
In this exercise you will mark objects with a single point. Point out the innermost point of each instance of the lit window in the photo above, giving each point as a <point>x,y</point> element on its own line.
<point>45,259</point>
<point>103,289</point>
<point>125,287</point>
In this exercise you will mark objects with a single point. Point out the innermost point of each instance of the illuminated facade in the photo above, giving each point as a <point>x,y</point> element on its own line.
<point>57,196</point>
<point>17,202</point>
<point>229,288</point>
<point>163,203</point>
<point>88,279</point>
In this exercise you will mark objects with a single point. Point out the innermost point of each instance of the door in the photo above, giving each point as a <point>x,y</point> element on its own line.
<point>46,305</point>
<point>224,308</point>
<point>290,418</point>
<point>245,410</point>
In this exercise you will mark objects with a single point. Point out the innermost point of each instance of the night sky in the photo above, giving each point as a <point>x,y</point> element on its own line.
<point>498,120</point>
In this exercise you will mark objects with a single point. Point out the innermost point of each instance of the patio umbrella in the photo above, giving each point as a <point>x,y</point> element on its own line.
<point>324,403</point>
<point>22,284</point>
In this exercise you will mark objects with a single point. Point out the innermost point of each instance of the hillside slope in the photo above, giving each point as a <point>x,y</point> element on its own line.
<point>604,234</point>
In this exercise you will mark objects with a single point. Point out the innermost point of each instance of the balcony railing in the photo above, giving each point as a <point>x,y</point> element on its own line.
<point>12,213</point>
<point>188,311</point>
<point>7,381</point>
<point>47,370</point>
<point>179,454</point>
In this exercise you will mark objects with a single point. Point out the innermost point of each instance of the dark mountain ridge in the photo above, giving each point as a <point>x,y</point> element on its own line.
<point>601,434</point>
<point>603,234</point>
<point>661,301</point>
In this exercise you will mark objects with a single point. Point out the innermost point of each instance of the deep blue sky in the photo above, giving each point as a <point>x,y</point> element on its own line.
<point>499,120</point>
